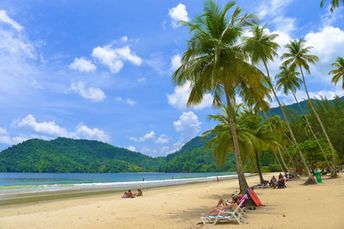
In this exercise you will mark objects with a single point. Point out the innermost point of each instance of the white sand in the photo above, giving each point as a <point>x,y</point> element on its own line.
<point>298,206</point>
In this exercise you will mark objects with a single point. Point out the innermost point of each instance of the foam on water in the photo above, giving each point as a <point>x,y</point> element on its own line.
<point>7,192</point>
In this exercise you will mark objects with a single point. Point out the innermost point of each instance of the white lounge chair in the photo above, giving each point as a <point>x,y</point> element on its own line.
<point>236,215</point>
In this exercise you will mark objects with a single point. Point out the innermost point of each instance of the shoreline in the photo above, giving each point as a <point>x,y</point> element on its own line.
<point>180,207</point>
<point>93,189</point>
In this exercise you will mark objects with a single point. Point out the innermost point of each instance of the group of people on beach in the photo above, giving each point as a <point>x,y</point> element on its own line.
<point>281,182</point>
<point>129,194</point>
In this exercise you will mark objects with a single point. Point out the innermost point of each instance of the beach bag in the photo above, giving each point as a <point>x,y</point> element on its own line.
<point>253,196</point>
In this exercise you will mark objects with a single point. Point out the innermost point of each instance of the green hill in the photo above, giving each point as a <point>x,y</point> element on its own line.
<point>194,157</point>
<point>294,107</point>
<point>69,155</point>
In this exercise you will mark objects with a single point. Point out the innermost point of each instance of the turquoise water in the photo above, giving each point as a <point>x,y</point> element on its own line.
<point>14,184</point>
<point>19,179</point>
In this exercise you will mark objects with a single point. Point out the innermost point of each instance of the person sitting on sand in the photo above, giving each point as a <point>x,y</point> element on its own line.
<point>273,182</point>
<point>139,192</point>
<point>280,176</point>
<point>128,194</point>
<point>281,183</point>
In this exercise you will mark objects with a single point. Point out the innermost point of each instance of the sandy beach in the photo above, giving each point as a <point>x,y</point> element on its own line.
<point>179,207</point>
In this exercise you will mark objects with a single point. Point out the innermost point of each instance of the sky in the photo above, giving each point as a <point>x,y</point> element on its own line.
<point>102,70</point>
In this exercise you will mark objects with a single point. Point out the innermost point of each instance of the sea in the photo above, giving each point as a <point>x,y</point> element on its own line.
<point>18,184</point>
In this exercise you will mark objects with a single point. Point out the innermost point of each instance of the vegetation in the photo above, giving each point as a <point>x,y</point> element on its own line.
<point>195,157</point>
<point>215,62</point>
<point>221,61</point>
<point>68,155</point>
<point>298,56</point>
<point>254,136</point>
<point>334,4</point>
<point>338,72</point>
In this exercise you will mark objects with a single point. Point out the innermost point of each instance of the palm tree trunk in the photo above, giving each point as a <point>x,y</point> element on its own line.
<point>283,162</point>
<point>311,179</point>
<point>278,161</point>
<point>311,130</point>
<point>284,166</point>
<point>259,169</point>
<point>334,174</point>
<point>241,176</point>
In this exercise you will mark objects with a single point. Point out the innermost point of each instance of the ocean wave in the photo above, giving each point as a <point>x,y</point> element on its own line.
<point>7,191</point>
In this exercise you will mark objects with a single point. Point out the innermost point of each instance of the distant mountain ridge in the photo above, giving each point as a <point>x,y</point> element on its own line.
<point>70,155</point>
<point>293,106</point>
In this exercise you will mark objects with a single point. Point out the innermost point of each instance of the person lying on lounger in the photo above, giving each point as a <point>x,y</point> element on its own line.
<point>223,205</point>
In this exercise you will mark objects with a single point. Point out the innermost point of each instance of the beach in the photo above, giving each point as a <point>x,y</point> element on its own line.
<point>180,207</point>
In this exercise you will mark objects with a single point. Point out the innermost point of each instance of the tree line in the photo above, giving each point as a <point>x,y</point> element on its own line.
<point>229,55</point>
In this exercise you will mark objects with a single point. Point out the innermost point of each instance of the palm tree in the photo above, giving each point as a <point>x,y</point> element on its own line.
<point>254,136</point>
<point>288,81</point>
<point>338,72</point>
<point>334,4</point>
<point>298,56</point>
<point>215,62</point>
<point>263,106</point>
<point>279,129</point>
<point>263,48</point>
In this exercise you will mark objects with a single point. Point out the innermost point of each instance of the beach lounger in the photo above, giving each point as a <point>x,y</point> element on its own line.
<point>236,215</point>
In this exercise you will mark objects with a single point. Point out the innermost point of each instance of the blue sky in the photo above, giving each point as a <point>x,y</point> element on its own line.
<point>102,69</point>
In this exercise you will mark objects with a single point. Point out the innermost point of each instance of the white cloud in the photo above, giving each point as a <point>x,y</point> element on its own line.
<point>52,129</point>
<point>128,101</point>
<point>148,136</point>
<point>16,45</point>
<point>178,14</point>
<point>162,139</point>
<point>188,125</point>
<point>82,65</point>
<point>141,79</point>
<point>330,18</point>
<point>132,148</point>
<point>176,61</point>
<point>91,93</point>
<point>113,58</point>
<point>3,131</point>
<point>272,7</point>
<point>165,150</point>
<point>328,43</point>
<point>7,20</point>
<point>131,102</point>
<point>124,38</point>
<point>157,63</point>
<point>6,139</point>
<point>85,132</point>
<point>178,99</point>
<point>107,57</point>
<point>284,24</point>
<point>125,53</point>
<point>46,127</point>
